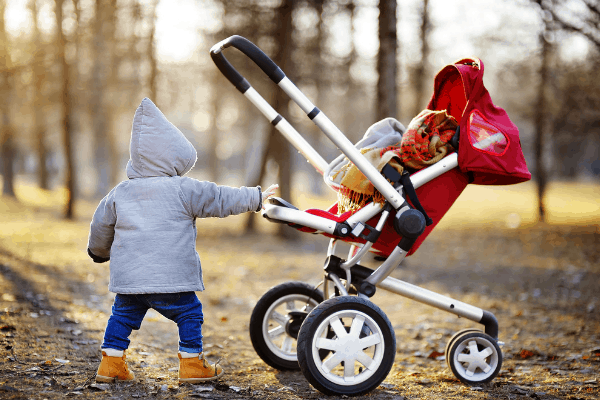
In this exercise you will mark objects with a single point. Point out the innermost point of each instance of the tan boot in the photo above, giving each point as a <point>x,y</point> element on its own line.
<point>193,368</point>
<point>113,367</point>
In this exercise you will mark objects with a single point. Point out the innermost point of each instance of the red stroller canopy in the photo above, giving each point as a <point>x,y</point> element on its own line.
<point>489,148</point>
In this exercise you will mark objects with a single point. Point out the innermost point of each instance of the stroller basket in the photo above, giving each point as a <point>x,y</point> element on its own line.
<point>342,342</point>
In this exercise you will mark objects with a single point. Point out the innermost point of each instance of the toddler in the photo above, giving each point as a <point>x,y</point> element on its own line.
<point>146,227</point>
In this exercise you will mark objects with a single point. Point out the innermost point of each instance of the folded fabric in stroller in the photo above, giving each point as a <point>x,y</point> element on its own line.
<point>394,186</point>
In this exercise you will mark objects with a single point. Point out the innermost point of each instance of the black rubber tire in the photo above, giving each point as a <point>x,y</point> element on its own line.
<point>259,313</point>
<point>454,348</point>
<point>309,329</point>
<point>453,339</point>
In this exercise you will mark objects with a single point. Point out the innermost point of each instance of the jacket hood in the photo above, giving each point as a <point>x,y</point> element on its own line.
<point>157,147</point>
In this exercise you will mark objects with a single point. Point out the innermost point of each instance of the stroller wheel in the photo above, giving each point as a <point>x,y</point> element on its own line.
<point>453,339</point>
<point>276,320</point>
<point>361,350</point>
<point>474,358</point>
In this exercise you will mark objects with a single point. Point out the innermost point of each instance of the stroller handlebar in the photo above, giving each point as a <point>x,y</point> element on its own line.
<point>250,50</point>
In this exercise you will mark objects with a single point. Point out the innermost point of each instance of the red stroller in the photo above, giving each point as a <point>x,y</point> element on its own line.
<point>342,342</point>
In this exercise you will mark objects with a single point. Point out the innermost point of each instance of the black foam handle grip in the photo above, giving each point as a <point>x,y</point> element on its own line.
<point>251,51</point>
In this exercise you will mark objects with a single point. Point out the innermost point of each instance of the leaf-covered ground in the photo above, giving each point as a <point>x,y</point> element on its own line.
<point>541,282</point>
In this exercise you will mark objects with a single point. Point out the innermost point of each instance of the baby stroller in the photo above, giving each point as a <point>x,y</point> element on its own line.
<point>340,340</point>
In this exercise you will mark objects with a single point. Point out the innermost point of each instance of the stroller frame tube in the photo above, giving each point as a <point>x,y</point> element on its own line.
<point>430,298</point>
<point>287,130</point>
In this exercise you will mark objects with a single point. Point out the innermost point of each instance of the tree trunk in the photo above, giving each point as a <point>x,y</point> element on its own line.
<point>66,111</point>
<point>153,78</point>
<point>7,147</point>
<point>540,115</point>
<point>7,150</point>
<point>419,75</point>
<point>39,102</point>
<point>387,104</point>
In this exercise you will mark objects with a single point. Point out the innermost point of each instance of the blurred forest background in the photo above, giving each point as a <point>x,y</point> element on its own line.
<point>72,73</point>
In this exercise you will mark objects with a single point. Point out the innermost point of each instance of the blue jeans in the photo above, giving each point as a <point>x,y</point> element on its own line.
<point>128,312</point>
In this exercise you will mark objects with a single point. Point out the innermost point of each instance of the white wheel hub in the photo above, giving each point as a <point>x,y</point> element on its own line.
<point>355,354</point>
<point>475,359</point>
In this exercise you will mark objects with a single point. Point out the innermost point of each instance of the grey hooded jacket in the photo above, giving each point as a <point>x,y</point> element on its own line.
<point>146,225</point>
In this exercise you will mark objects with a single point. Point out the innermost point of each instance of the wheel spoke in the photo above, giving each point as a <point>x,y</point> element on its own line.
<point>291,305</point>
<point>370,340</point>
<point>364,359</point>
<point>473,348</point>
<point>357,324</point>
<point>471,369</point>
<point>332,362</point>
<point>348,370</point>
<point>462,357</point>
<point>275,332</point>
<point>326,344</point>
<point>280,319</point>
<point>338,328</point>
<point>486,352</point>
<point>287,344</point>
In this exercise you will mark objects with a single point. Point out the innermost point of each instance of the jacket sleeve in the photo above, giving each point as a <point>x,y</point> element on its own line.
<point>102,229</point>
<point>207,199</point>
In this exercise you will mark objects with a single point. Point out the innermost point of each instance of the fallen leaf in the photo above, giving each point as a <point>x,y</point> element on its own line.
<point>435,354</point>
<point>525,354</point>
<point>223,319</point>
<point>6,328</point>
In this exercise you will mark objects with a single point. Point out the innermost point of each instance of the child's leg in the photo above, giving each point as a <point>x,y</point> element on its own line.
<point>127,315</point>
<point>186,310</point>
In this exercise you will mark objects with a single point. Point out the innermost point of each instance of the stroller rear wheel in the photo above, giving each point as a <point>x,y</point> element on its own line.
<point>361,350</point>
<point>453,339</point>
<point>276,320</point>
<point>474,358</point>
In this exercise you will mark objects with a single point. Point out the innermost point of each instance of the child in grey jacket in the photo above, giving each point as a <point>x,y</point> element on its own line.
<point>146,227</point>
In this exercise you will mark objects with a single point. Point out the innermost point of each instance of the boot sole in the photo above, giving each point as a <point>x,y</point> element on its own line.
<point>200,380</point>
<point>108,379</point>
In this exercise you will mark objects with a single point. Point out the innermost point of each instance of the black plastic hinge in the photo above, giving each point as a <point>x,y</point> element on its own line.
<point>342,229</point>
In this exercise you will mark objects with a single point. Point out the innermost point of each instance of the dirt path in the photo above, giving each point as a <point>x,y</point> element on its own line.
<point>541,283</point>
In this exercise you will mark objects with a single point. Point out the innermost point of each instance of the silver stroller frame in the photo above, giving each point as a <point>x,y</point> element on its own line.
<point>473,356</point>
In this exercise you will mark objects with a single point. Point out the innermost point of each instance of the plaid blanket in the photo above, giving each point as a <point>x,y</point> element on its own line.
<point>387,141</point>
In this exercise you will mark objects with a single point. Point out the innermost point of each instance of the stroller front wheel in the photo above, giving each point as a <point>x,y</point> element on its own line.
<point>359,343</point>
<point>276,320</point>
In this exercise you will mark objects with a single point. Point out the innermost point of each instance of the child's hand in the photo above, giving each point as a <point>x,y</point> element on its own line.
<point>269,192</point>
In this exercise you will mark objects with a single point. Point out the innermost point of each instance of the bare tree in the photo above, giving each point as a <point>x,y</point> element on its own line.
<point>38,100</point>
<point>65,97</point>
<point>387,103</point>
<point>585,22</point>
<point>419,72</point>
<point>152,53</point>
<point>540,113</point>
<point>7,144</point>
